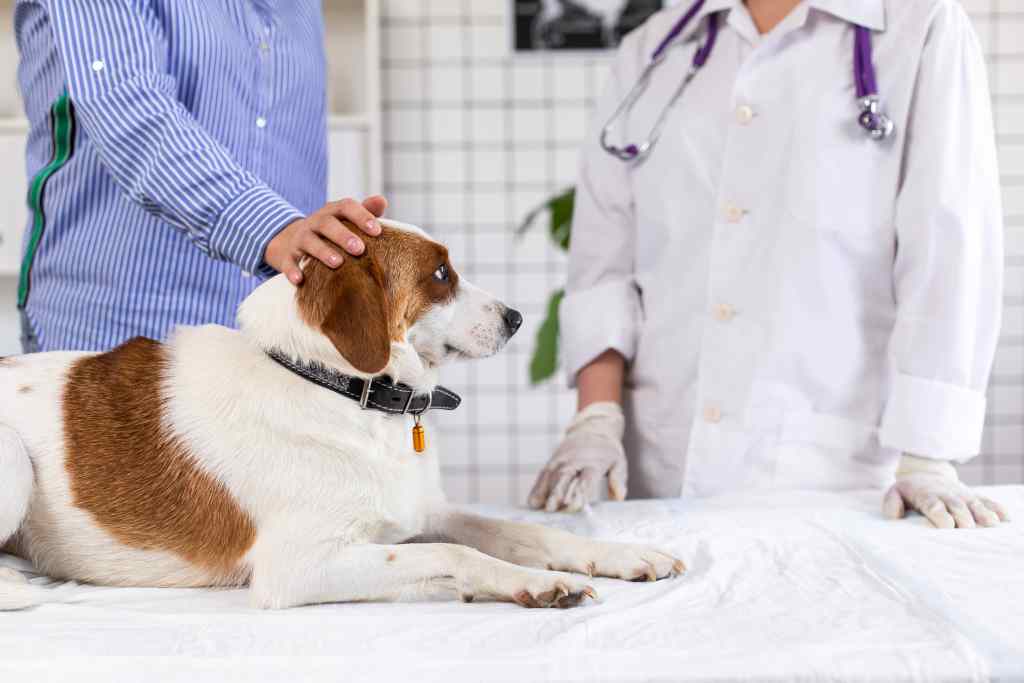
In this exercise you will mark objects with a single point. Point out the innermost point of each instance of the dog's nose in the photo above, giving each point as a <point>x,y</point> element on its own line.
<point>513,320</point>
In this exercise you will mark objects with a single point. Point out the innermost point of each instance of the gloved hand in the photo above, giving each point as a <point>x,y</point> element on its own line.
<point>591,448</point>
<point>933,488</point>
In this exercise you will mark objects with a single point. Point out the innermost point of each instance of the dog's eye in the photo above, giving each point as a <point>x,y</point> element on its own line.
<point>441,274</point>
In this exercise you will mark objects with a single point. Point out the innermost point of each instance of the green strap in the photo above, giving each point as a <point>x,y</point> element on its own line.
<point>62,122</point>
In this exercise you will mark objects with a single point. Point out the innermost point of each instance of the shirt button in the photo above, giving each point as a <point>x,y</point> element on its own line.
<point>98,65</point>
<point>712,414</point>
<point>724,313</point>
<point>264,46</point>
<point>261,122</point>
<point>733,213</point>
<point>246,273</point>
<point>744,114</point>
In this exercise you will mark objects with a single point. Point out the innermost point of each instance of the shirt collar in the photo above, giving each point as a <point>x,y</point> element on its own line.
<point>710,7</point>
<point>867,13</point>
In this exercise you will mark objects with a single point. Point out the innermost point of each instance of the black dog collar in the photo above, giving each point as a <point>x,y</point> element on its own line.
<point>379,393</point>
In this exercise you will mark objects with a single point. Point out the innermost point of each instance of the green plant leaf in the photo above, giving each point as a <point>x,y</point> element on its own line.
<point>545,353</point>
<point>561,217</point>
<point>560,209</point>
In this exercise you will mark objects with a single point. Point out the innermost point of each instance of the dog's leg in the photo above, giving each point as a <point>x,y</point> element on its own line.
<point>16,481</point>
<point>532,545</point>
<point>337,572</point>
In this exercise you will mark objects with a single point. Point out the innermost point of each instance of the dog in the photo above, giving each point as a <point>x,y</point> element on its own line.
<point>234,457</point>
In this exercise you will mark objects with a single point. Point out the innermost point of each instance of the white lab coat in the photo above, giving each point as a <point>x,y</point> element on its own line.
<point>798,303</point>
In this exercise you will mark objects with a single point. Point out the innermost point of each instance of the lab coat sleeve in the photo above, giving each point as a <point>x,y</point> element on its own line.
<point>949,265</point>
<point>114,55</point>
<point>601,308</point>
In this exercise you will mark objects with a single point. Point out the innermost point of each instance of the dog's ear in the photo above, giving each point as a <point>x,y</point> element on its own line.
<point>358,314</point>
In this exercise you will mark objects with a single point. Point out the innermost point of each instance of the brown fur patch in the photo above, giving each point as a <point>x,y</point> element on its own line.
<point>134,476</point>
<point>373,299</point>
<point>392,557</point>
<point>24,389</point>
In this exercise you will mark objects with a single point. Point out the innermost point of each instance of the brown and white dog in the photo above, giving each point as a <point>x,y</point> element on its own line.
<point>202,462</point>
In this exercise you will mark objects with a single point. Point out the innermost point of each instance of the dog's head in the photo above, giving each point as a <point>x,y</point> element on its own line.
<point>403,289</point>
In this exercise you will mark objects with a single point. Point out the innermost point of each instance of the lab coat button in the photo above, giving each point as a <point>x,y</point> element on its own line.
<point>712,414</point>
<point>724,313</point>
<point>733,213</point>
<point>744,114</point>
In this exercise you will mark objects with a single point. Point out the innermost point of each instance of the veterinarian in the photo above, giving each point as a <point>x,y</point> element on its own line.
<point>795,280</point>
<point>178,157</point>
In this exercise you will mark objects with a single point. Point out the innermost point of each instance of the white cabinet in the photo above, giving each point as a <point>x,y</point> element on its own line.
<point>352,39</point>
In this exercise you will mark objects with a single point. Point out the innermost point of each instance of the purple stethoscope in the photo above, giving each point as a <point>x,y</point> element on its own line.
<point>871,119</point>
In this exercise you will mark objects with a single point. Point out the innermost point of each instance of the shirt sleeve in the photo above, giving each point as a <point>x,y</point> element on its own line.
<point>114,54</point>
<point>601,308</point>
<point>949,264</point>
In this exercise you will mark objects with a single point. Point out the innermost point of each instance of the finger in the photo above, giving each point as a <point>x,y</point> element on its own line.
<point>321,250</point>
<point>958,509</point>
<point>541,488</point>
<point>892,504</point>
<point>982,514</point>
<point>355,213</point>
<point>997,508</point>
<point>376,205</point>
<point>574,496</point>
<point>336,231</point>
<point>291,270</point>
<point>580,493</point>
<point>557,497</point>
<point>935,510</point>
<point>617,481</point>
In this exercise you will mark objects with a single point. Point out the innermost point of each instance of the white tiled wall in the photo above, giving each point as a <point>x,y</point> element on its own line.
<point>475,137</point>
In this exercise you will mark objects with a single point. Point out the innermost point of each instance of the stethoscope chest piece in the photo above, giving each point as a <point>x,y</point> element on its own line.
<point>878,125</point>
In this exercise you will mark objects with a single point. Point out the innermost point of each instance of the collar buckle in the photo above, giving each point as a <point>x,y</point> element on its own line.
<point>365,395</point>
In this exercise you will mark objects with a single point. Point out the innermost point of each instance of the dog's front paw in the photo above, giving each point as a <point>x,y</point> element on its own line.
<point>619,561</point>
<point>533,588</point>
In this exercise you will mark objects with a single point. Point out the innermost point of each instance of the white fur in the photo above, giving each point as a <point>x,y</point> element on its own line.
<point>332,489</point>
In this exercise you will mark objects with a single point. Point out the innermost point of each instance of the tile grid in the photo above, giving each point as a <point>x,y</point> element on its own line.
<point>474,138</point>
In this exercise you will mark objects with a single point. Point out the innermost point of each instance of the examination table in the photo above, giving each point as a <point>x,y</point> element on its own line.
<point>793,586</point>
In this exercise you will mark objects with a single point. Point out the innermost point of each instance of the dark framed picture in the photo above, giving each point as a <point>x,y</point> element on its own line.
<point>542,25</point>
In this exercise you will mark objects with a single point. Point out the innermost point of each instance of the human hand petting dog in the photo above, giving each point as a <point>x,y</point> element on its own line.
<point>318,234</point>
<point>592,448</point>
<point>933,488</point>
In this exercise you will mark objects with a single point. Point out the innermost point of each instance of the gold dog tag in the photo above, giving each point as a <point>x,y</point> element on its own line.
<point>419,437</point>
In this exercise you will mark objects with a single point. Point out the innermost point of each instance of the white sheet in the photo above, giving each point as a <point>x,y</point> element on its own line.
<point>806,586</point>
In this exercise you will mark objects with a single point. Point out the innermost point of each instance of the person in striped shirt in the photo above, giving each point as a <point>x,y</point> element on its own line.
<point>177,151</point>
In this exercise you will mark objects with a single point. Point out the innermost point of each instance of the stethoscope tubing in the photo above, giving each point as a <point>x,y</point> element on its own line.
<point>875,123</point>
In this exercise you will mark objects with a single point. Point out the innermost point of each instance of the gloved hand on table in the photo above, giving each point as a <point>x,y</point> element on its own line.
<point>933,488</point>
<point>592,448</point>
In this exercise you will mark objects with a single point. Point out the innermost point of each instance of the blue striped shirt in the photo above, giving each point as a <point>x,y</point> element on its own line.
<point>169,141</point>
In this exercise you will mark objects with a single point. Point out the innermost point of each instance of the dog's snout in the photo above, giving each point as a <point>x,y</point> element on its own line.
<point>513,320</point>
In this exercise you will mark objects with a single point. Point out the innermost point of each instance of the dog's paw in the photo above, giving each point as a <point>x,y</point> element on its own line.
<point>620,561</point>
<point>532,588</point>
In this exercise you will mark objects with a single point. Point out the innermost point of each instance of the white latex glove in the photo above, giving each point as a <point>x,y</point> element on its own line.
<point>933,488</point>
<point>592,448</point>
